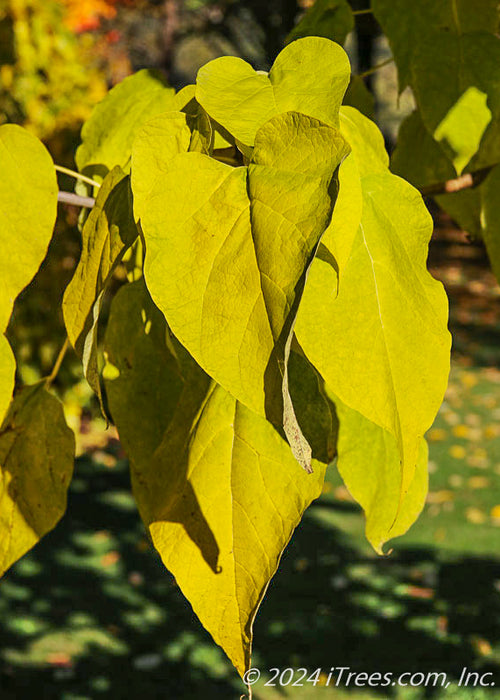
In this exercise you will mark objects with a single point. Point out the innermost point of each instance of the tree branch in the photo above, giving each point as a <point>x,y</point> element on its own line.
<point>457,184</point>
<point>75,199</point>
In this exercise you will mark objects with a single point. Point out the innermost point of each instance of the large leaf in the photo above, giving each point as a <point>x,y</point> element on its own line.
<point>381,345</point>
<point>108,134</point>
<point>251,509</point>
<point>217,487</point>
<point>309,76</point>
<point>28,208</point>
<point>332,19</point>
<point>449,52</point>
<point>410,28</point>
<point>369,462</point>
<point>108,232</point>
<point>226,258</point>
<point>36,464</point>
<point>142,370</point>
<point>163,137</point>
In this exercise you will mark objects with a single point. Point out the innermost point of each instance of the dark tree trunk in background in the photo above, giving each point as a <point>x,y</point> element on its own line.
<point>367,30</point>
<point>170,28</point>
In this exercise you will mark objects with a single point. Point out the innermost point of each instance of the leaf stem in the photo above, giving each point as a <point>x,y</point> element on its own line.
<point>77,176</point>
<point>362,12</point>
<point>75,199</point>
<point>380,65</point>
<point>57,363</point>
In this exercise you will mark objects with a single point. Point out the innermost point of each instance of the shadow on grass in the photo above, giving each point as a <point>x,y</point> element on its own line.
<point>92,613</point>
<point>330,606</point>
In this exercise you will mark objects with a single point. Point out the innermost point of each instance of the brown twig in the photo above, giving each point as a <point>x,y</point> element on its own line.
<point>457,184</point>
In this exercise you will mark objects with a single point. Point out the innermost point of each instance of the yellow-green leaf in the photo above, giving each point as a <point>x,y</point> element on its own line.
<point>108,134</point>
<point>226,258</point>
<point>369,462</point>
<point>107,233</point>
<point>36,464</point>
<point>365,140</point>
<point>140,361</point>
<point>309,76</point>
<point>217,487</point>
<point>381,345</point>
<point>28,209</point>
<point>157,142</point>
<point>251,508</point>
<point>461,130</point>
<point>445,154</point>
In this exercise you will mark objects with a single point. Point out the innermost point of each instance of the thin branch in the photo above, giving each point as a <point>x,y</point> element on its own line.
<point>375,68</point>
<point>457,184</point>
<point>362,12</point>
<point>75,199</point>
<point>77,176</point>
<point>57,363</point>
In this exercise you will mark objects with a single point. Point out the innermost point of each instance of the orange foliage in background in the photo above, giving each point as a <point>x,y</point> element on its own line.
<point>86,15</point>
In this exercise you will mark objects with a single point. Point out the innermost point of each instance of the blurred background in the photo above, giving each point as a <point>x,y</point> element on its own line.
<point>91,612</point>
